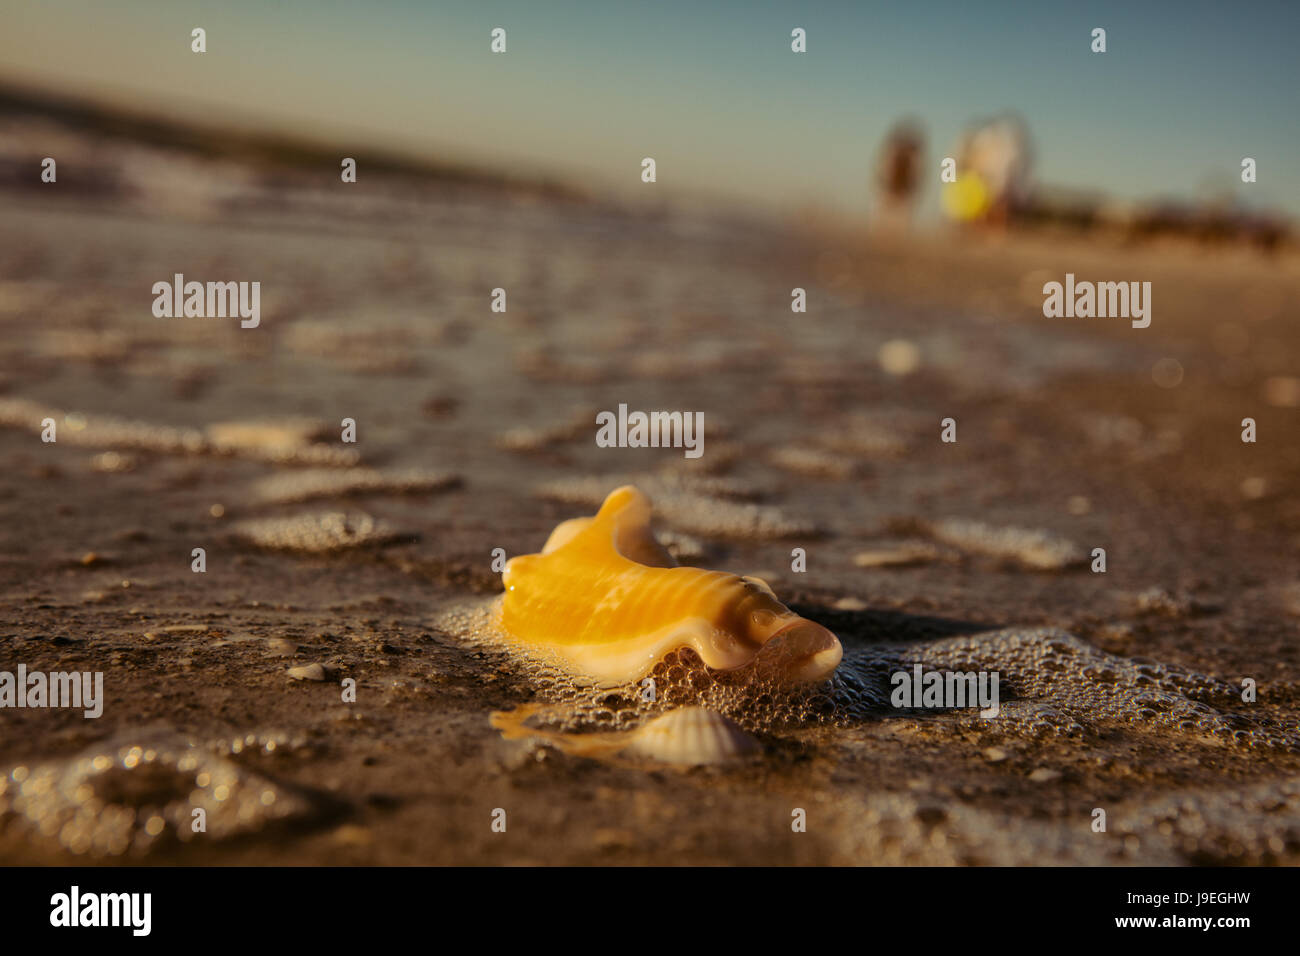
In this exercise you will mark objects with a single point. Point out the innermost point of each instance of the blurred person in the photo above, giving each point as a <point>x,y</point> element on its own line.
<point>898,174</point>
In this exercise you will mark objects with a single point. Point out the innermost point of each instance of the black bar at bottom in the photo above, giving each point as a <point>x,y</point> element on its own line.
<point>333,905</point>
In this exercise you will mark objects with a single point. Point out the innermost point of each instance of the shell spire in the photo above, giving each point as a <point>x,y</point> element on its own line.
<point>606,597</point>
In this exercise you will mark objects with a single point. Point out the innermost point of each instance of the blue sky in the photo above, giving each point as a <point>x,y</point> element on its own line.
<point>711,89</point>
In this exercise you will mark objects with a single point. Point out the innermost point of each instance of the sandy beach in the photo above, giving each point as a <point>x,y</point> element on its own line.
<point>328,561</point>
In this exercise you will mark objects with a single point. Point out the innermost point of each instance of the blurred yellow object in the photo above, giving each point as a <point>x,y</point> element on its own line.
<point>967,199</point>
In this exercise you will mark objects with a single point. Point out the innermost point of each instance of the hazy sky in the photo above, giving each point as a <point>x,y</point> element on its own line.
<point>709,88</point>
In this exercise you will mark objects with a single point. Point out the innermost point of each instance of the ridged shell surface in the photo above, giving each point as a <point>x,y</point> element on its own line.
<point>691,736</point>
<point>609,600</point>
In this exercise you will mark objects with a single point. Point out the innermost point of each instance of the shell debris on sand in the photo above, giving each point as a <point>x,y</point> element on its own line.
<point>295,487</point>
<point>287,442</point>
<point>134,793</point>
<point>683,547</point>
<point>684,504</point>
<point>1035,549</point>
<point>319,532</point>
<point>312,672</point>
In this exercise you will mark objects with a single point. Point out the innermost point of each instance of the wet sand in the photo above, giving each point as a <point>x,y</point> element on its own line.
<point>1122,690</point>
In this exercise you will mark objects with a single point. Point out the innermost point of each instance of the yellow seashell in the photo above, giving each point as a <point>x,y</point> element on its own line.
<point>609,600</point>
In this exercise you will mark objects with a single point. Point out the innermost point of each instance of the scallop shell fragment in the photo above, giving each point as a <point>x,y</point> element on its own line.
<point>691,736</point>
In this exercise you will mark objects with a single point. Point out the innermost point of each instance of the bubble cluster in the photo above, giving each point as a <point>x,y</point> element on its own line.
<point>757,703</point>
<point>1051,684</point>
<point>814,462</point>
<point>1259,825</point>
<point>288,441</point>
<point>137,793</point>
<point>1035,549</point>
<point>291,441</point>
<point>318,532</point>
<point>102,431</point>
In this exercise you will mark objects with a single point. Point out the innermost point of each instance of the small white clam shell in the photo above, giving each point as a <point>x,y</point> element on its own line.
<point>691,736</point>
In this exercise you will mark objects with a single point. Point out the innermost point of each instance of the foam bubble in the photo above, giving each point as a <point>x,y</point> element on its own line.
<point>137,792</point>
<point>1050,684</point>
<point>318,532</point>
